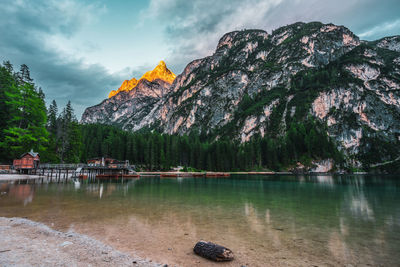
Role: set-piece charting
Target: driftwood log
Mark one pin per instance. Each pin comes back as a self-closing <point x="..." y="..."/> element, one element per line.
<point x="213" y="251"/>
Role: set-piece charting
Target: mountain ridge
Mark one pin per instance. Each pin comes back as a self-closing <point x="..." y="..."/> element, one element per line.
<point x="258" y="84"/>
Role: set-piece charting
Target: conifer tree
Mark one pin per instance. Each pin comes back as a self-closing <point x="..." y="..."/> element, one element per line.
<point x="68" y="136"/>
<point x="52" y="114"/>
<point x="24" y="126"/>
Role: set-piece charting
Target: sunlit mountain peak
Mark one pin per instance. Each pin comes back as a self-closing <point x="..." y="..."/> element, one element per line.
<point x="159" y="72"/>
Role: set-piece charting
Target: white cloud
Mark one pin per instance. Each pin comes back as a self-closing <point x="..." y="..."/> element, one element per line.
<point x="193" y="28"/>
<point x="386" y="28"/>
<point x="36" y="33"/>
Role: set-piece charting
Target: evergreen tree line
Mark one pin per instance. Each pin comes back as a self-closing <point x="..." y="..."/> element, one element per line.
<point x="26" y="124"/>
<point x="154" y="151"/>
<point x="22" y="113"/>
<point x="65" y="138"/>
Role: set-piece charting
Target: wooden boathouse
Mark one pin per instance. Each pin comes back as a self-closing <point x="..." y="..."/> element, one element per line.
<point x="28" y="162"/>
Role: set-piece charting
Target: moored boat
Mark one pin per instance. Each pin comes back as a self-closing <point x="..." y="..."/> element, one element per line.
<point x="130" y="175"/>
<point x="218" y="174"/>
<point x="107" y="176"/>
<point x="202" y="174"/>
<point x="170" y="175"/>
<point x="83" y="176"/>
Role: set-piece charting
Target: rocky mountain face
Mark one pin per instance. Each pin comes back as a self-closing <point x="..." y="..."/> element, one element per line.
<point x="257" y="84"/>
<point x="133" y="101"/>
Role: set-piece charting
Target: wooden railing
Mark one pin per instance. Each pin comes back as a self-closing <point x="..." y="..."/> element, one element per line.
<point x="62" y="166"/>
<point x="83" y="166"/>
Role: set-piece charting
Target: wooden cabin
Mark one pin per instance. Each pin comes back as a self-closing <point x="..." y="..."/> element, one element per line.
<point x="102" y="161"/>
<point x="28" y="161"/>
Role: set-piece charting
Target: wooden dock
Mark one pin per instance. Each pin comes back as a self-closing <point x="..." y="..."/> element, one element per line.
<point x="84" y="171"/>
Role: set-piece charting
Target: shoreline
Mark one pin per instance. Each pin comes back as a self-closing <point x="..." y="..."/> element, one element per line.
<point x="29" y="243"/>
<point x="6" y="177"/>
<point x="16" y="177"/>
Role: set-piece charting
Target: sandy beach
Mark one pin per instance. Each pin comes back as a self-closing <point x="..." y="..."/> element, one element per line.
<point x="27" y="243"/>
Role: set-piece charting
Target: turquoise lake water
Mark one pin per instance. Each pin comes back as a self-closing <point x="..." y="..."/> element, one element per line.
<point x="265" y="220"/>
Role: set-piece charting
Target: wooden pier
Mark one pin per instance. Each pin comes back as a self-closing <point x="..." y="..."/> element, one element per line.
<point x="85" y="171"/>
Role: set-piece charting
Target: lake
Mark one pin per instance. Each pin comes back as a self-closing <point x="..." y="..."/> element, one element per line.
<point x="266" y="220"/>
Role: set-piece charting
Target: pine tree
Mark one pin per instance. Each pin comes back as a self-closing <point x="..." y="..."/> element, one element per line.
<point x="68" y="136"/>
<point x="74" y="143"/>
<point x="6" y="83"/>
<point x="52" y="114"/>
<point x="8" y="66"/>
<point x="24" y="75"/>
<point x="25" y="126"/>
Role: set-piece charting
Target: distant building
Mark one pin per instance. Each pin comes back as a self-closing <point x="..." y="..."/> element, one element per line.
<point x="96" y="162"/>
<point x="119" y="163"/>
<point x="178" y="168"/>
<point x="106" y="162"/>
<point x="5" y="168"/>
<point x="28" y="161"/>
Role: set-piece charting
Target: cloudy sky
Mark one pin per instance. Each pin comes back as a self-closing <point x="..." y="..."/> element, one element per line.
<point x="79" y="50"/>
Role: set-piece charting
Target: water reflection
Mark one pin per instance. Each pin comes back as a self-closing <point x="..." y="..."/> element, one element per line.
<point x="77" y="184"/>
<point x="254" y="222"/>
<point x="356" y="201"/>
<point x="344" y="230"/>
<point x="21" y="192"/>
<point x="267" y="217"/>
<point x="101" y="191"/>
<point x="360" y="207"/>
<point x="327" y="220"/>
<point x="337" y="247"/>
<point x="325" y="180"/>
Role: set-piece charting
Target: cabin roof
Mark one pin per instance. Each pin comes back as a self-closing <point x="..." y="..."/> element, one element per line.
<point x="33" y="154"/>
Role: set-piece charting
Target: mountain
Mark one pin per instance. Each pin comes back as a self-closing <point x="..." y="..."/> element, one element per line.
<point x="259" y="84"/>
<point x="133" y="101"/>
<point x="160" y="72"/>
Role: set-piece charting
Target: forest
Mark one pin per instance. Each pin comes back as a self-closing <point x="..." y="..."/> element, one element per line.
<point x="26" y="123"/>
<point x="156" y="151"/>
